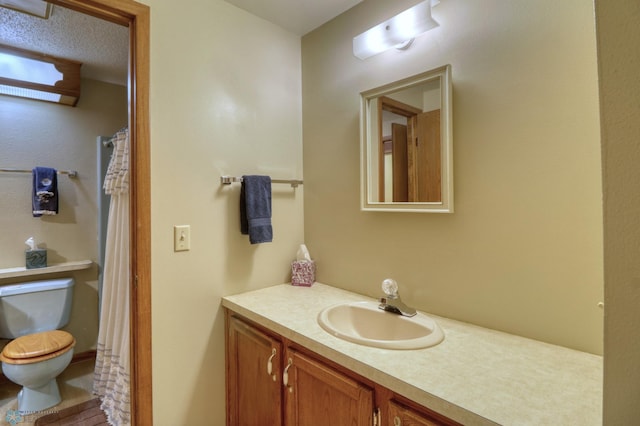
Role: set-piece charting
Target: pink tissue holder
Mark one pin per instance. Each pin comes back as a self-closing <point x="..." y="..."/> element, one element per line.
<point x="303" y="272"/>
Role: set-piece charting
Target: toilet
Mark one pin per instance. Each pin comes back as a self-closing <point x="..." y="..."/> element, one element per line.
<point x="31" y="314"/>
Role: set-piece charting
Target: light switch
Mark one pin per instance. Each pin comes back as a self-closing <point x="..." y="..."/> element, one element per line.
<point x="181" y="237"/>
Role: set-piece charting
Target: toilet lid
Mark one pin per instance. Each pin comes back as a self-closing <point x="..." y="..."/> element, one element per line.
<point x="37" y="345"/>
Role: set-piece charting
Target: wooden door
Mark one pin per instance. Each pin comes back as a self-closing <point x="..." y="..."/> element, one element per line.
<point x="428" y="163"/>
<point x="400" y="165"/>
<point x="316" y="395"/>
<point x="254" y="376"/>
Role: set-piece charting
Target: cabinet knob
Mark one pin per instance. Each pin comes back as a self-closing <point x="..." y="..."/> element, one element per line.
<point x="397" y="421"/>
<point x="270" y="364"/>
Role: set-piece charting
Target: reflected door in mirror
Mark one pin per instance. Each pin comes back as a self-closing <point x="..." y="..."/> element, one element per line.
<point x="399" y="162"/>
<point x="426" y="169"/>
<point x="410" y="154"/>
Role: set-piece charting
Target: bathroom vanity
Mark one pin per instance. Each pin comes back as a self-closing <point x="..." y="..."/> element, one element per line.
<point x="285" y="381"/>
<point x="283" y="368"/>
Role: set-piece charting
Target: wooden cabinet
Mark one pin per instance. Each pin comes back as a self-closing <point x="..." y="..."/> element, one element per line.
<point x="254" y="376"/>
<point x="272" y="381"/>
<point x="319" y="395"/>
<point x="400" y="415"/>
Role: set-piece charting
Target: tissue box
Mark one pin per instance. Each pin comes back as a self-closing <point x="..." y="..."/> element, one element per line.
<point x="36" y="258"/>
<point x="303" y="272"/>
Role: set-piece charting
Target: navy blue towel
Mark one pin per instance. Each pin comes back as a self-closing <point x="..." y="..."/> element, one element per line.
<point x="45" y="191"/>
<point x="255" y="209"/>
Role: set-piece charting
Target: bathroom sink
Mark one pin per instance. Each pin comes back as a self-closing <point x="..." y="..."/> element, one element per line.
<point x="364" y="323"/>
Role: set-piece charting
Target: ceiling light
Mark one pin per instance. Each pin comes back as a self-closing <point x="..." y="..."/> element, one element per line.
<point x="34" y="75"/>
<point x="398" y="31"/>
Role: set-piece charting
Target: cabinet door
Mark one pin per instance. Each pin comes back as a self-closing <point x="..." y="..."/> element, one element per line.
<point x="317" y="395"/>
<point x="400" y="415"/>
<point x="254" y="384"/>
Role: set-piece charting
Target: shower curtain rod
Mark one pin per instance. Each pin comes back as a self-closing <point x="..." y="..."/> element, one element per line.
<point x="71" y="173"/>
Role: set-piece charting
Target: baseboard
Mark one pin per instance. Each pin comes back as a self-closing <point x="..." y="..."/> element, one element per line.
<point x="84" y="356"/>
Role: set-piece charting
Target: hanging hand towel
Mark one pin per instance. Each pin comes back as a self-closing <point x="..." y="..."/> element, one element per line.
<point x="45" y="191"/>
<point x="255" y="209"/>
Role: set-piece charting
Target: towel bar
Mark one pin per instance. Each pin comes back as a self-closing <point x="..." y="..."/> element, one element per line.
<point x="71" y="173"/>
<point x="228" y="180"/>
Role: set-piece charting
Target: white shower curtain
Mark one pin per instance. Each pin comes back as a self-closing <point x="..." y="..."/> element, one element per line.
<point x="111" y="376"/>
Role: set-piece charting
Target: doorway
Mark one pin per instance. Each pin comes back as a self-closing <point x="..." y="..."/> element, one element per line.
<point x="136" y="17"/>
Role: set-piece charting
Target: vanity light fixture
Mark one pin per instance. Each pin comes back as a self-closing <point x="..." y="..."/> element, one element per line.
<point x="398" y="31"/>
<point x="33" y="75"/>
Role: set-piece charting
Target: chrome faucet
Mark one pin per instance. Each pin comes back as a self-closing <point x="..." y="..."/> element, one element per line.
<point x="392" y="301"/>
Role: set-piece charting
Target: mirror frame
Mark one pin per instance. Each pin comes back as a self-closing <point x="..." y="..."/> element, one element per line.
<point x="368" y="101"/>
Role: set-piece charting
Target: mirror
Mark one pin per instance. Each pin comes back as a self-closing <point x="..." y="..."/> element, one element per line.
<point x="406" y="145"/>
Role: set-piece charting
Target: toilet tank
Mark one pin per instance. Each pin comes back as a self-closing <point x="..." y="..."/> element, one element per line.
<point x="34" y="306"/>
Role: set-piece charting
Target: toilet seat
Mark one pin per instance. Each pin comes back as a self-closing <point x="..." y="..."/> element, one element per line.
<point x="37" y="347"/>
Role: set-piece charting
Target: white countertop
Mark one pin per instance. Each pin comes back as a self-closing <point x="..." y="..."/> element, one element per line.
<point x="476" y="376"/>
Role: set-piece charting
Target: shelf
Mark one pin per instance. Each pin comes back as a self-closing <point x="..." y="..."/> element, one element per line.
<point x="59" y="267"/>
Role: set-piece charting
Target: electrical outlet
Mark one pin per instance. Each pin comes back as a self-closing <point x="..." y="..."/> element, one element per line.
<point x="181" y="237"/>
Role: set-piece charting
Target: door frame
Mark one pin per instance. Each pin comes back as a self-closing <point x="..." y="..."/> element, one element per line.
<point x="136" y="17"/>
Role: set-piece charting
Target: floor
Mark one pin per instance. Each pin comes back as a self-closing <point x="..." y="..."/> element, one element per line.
<point x="87" y="413"/>
<point x="75" y="385"/>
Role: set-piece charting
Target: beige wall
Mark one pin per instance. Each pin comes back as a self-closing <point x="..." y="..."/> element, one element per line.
<point x="39" y="133"/>
<point x="225" y="99"/>
<point x="619" y="59"/>
<point x="523" y="251"/>
<point x="187" y="286"/>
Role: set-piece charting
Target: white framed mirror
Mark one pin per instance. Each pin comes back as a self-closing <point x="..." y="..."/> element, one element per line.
<point x="406" y="145"/>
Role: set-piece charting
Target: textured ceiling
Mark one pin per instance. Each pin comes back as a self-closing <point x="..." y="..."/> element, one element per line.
<point x="297" y="16"/>
<point x="101" y="46"/>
